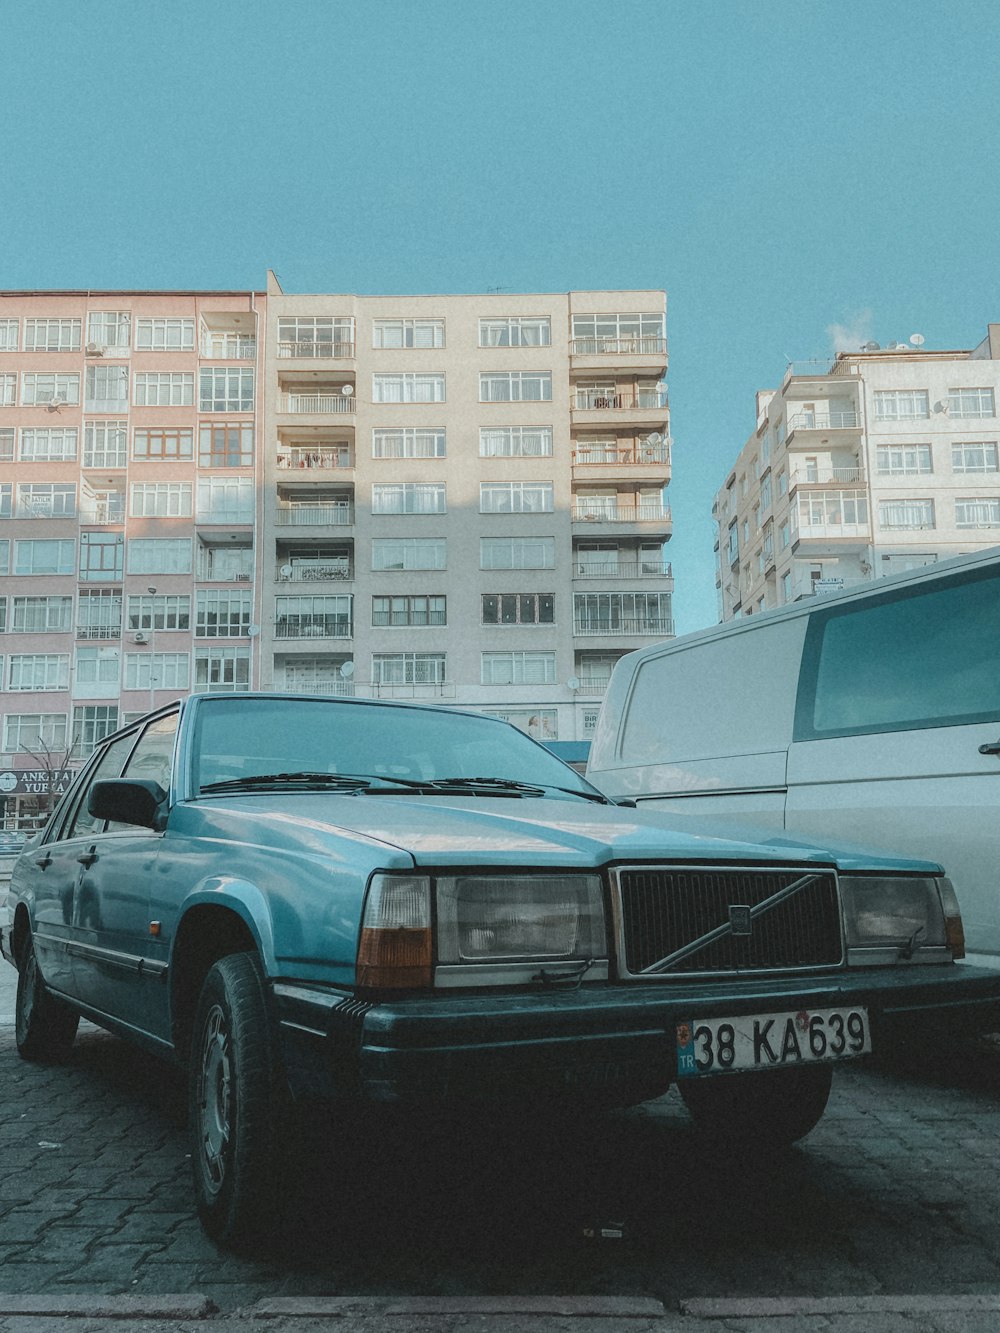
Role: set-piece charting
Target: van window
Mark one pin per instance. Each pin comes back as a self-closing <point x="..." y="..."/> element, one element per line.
<point x="916" y="657"/>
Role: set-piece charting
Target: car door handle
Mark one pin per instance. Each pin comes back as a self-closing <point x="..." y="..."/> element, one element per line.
<point x="87" y="858"/>
<point x="993" y="748"/>
<point x="43" y="862"/>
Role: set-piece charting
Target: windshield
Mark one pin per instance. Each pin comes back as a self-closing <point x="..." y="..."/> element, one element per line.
<point x="243" y="737"/>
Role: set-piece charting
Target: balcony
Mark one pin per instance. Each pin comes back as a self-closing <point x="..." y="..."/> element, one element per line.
<point x="104" y="514"/>
<point x="620" y="400"/>
<point x="314" y="627"/>
<point x="625" y="627"/>
<point x="317" y="404"/>
<point x="636" y="345"/>
<point x="318" y="571"/>
<point x="311" y="350"/>
<point x="638" y="461"/>
<point x="443" y="689"/>
<point x="228" y="347"/>
<point x="101" y="632"/>
<point x="314" y="458"/>
<point x="334" y="685"/>
<point x="599" y="512"/>
<point x="593" y="688"/>
<point x="625" y="569"/>
<point x="825" y="476"/>
<point x="814" y="423"/>
<point x="314" y="513"/>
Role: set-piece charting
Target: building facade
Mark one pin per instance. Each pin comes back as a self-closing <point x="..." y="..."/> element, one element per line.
<point x="883" y="461"/>
<point x="459" y="499"/>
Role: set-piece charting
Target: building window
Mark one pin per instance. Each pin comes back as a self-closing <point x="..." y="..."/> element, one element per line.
<point x="318" y="337"/>
<point x="225" y="500"/>
<point x="7" y="444"/>
<point x="407" y="388"/>
<point x="906" y="514"/>
<point x="161" y="499"/>
<point x="901" y="405"/>
<point x="622" y="613"/>
<point x="105" y="444"/>
<point x="39" y="388"/>
<point x="517" y="552"/>
<point x="159" y="555"/>
<point x="221" y="613"/>
<point x="34" y="733"/>
<point x="5" y="499"/>
<point x="597" y="334"/>
<point x="106" y="389"/>
<point x="162" y="671"/>
<point x="95" y="672"/>
<point x="164" y="335"/>
<point x="518" y="331"/>
<point x="977" y="512"/>
<point x="225" y="389"/>
<point x="8" y="335"/>
<point x="46" y="500"/>
<point x="409" y="553"/>
<point x="784" y="536"/>
<point x="52" y="335"/>
<point x="313" y="617"/>
<point x="733" y="547"/>
<point x="224" y="562"/>
<point x="38" y="671"/>
<point x="109" y="329"/>
<point x="99" y="614"/>
<point x="4" y="556"/>
<point x="515" y="497"/>
<point x="408" y="443"/>
<point x="41" y="615"/>
<point x="782" y="483"/>
<point x="518" y="608"/>
<point x="518" y="668"/>
<point x="765" y="491"/>
<point x="413" y="610"/>
<point x="91" y="723"/>
<point x="219" y="670"/>
<point x="516" y="386"/>
<point x="409" y="498"/>
<point x="515" y="442"/>
<point x="48" y="446"/>
<point x="44" y="557"/>
<point x="164" y="389"/>
<point x="539" y="723"/>
<point x="408" y="333"/>
<point x="408" y="668"/>
<point x="974" y="458"/>
<point x="840" y="509"/>
<point x="225" y="444"/>
<point x="159" y="611"/>
<point x="102" y="556"/>
<point x="162" y="444"/>
<point x="8" y="390"/>
<point x="967" y="404"/>
<point x="903" y="460"/>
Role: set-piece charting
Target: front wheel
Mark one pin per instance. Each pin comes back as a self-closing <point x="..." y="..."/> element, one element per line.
<point x="235" y="1100"/>
<point x="773" y="1108"/>
<point x="44" y="1027"/>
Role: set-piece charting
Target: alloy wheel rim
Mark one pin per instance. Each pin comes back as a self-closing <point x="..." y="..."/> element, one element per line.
<point x="215" y="1098"/>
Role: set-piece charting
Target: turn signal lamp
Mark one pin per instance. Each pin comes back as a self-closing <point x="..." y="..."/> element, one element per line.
<point x="395" y="951"/>
<point x="954" y="931"/>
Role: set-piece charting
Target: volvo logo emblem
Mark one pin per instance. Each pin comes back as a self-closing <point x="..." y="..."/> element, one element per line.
<point x="740" y="921"/>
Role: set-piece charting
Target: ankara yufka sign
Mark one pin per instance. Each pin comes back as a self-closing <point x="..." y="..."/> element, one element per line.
<point x="34" y="781"/>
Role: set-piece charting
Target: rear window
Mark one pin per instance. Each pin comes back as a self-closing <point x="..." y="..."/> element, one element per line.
<point x="923" y="656"/>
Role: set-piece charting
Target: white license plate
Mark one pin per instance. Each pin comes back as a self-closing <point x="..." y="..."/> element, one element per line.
<point x="770" y="1041"/>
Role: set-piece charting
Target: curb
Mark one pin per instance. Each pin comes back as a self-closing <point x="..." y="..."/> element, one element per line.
<point x="772" y="1308"/>
<point x="592" y="1307"/>
<point x="108" y="1307"/>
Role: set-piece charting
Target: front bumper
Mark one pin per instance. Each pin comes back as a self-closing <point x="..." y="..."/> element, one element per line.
<point x="602" y="1043"/>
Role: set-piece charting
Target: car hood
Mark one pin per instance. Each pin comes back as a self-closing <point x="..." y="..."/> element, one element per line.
<point x="451" y="830"/>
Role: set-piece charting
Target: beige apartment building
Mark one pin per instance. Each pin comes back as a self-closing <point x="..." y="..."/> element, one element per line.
<point x="452" y="498"/>
<point x="884" y="460"/>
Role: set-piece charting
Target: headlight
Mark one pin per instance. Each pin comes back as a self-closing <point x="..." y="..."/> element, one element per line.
<point x="515" y="918"/>
<point x="903" y="914"/>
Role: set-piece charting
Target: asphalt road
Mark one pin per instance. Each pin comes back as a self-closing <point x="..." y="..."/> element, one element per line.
<point x="895" y="1191"/>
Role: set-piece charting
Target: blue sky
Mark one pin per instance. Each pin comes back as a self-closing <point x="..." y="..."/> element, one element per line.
<point x="780" y="168"/>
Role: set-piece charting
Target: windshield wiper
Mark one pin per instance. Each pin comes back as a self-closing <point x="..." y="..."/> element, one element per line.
<point x="341" y="781"/>
<point x="373" y="784"/>
<point x="479" y="786"/>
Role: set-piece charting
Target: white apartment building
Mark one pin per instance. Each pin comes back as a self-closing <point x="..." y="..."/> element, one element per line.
<point x="458" y="498"/>
<point x="882" y="461"/>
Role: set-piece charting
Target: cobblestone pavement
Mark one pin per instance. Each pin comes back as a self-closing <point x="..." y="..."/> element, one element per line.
<point x="894" y="1193"/>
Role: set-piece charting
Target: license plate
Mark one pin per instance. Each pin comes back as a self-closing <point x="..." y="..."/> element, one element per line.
<point x="770" y="1041"/>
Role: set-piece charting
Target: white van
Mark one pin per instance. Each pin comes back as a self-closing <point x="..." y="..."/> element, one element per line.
<point x="869" y="717"/>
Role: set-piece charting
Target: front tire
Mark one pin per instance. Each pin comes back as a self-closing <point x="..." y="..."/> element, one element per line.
<point x="236" y="1099"/>
<point x="774" y="1108"/>
<point x="44" y="1027"/>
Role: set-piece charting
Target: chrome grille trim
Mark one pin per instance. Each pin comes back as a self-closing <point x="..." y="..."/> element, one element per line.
<point x="674" y="920"/>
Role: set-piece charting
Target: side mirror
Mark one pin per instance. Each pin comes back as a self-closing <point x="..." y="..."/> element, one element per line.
<point x="127" y="801"/>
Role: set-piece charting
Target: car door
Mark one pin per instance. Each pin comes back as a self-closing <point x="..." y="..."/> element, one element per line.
<point x="120" y="963"/>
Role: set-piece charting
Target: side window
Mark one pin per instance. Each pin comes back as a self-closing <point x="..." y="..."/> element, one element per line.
<point x="80" y="822"/>
<point x="152" y="759"/>
<point x="924" y="656"/>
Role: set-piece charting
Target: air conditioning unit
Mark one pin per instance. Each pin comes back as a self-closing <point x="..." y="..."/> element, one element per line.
<point x="54" y="404"/>
<point x="140" y="637"/>
<point x="242" y="578"/>
<point x="94" y="349"/>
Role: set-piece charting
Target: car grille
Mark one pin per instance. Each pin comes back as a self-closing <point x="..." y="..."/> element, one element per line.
<point x="666" y="913"/>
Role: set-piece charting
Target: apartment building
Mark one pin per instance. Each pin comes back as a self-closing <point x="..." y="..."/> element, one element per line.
<point x="458" y="498"/>
<point x="883" y="460"/>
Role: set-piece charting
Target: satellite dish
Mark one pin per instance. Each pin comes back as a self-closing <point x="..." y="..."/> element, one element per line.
<point x="347" y="390"/>
<point x="917" y="339"/>
<point x="871" y="347"/>
<point x="253" y="631"/>
<point x="655" y="438"/>
<point x="347" y="670"/>
<point x="286" y="571"/>
<point x="574" y="682"/>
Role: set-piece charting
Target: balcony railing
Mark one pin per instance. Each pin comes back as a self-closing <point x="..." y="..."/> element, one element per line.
<point x="633" y="455"/>
<point x="806" y="476"/>
<point x="98" y="631"/>
<point x="321" y="572"/>
<point x="104" y="514"/>
<point x="443" y="689"/>
<point x="312" y="513"/>
<point x="593" y="687"/>
<point x="317" y="458"/>
<point x="621" y="400"/>
<point x="645" y="345"/>
<point x="310" y="349"/>
<point x="317" y="403"/>
<point x="620" y="513"/>
<point x="228" y="347"/>
<point x="624" y="625"/>
<point x="335" y="685"/>
<point x="820" y="421"/>
<point x="804" y="531"/>
<point x="313" y="627"/>
<point x="622" y="569"/>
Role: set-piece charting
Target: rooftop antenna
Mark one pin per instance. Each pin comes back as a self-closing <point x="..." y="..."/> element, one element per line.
<point x="496" y="290"/>
<point x="917" y="339"/>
